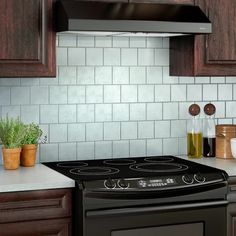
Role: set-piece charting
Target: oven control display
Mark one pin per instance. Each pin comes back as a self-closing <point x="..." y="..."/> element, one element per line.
<point x="151" y="183"/>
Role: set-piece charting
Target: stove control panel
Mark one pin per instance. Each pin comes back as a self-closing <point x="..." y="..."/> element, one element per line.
<point x="152" y="183"/>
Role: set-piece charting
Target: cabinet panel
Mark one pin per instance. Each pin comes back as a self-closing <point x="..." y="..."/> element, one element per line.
<point x="27" y="38"/>
<point x="61" y="227"/>
<point x="211" y="55"/>
<point x="231" y="219"/>
<point x="35" y="205"/>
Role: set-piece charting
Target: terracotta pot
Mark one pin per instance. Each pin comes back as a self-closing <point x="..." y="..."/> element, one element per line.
<point x="28" y="155"/>
<point x="11" y="158"/>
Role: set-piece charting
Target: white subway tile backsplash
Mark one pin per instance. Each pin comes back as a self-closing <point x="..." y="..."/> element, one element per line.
<point x="49" y="114"/>
<point x="154" y="111"/>
<point x="145" y="57"/>
<point x="129" y="57"/>
<point x="120" y="149"/>
<point x="120" y="112"/>
<point x="162" y="129"/>
<point x="103" y="75"/>
<point x="111" y="94"/>
<point x="129" y="93"/>
<point x="67" y="151"/>
<point x="94" y="131"/>
<point x="67" y="75"/>
<point x="58" y="133"/>
<point x="20" y="95"/>
<point x="94" y="94"/>
<point x="129" y="130"/>
<point x="138" y="111"/>
<point x="103" y="112"/>
<point x="5" y="96"/>
<point x="225" y="92"/>
<point x="103" y="150"/>
<point x="162" y="93"/>
<point x="112" y="131"/>
<point x="86" y="113"/>
<point x="137" y="75"/>
<point x="67" y="113"/>
<point x="85" y="41"/>
<point x="58" y="95"/>
<point x="170" y="110"/>
<point x="111" y="56"/>
<point x="137" y="148"/>
<point x="194" y="92"/>
<point x="146" y="93"/>
<point x="154" y="75"/>
<point x="85" y="150"/>
<point x="94" y="56"/>
<point x="85" y="75"/>
<point x="154" y="147"/>
<point x="209" y="92"/>
<point x="145" y="129"/>
<point x="120" y="75"/>
<point x="113" y="97"/>
<point x="76" y="94"/>
<point x="30" y="113"/>
<point x="76" y="56"/>
<point x="178" y="93"/>
<point x="76" y="132"/>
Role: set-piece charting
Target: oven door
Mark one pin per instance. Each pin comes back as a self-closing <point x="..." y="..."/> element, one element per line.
<point x="195" y="219"/>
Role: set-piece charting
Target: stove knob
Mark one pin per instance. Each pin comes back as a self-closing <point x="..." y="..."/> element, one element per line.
<point x="187" y="179"/>
<point x="199" y="178"/>
<point x="123" y="184"/>
<point x="109" y="183"/>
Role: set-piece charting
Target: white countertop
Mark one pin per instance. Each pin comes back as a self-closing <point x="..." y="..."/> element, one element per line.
<point x="32" y="178"/>
<point x="228" y="165"/>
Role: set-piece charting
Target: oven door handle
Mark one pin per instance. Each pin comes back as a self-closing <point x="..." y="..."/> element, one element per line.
<point x="125" y="211"/>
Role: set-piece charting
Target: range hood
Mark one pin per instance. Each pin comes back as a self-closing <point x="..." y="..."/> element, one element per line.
<point x="130" y="19"/>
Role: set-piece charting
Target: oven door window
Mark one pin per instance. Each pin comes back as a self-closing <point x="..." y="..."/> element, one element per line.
<point x="196" y="229"/>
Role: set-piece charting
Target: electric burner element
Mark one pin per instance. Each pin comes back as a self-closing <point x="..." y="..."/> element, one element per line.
<point x="94" y="170"/>
<point x="119" y="162"/>
<point x="158" y="159"/>
<point x="72" y="164"/>
<point x="158" y="167"/>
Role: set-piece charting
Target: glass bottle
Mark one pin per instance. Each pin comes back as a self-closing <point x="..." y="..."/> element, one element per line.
<point x="209" y="135"/>
<point x="194" y="133"/>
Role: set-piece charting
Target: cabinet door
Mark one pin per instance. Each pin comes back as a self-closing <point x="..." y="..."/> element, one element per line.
<point x="27" y="38"/>
<point x="231" y="219"/>
<point x="59" y="227"/>
<point x="211" y="55"/>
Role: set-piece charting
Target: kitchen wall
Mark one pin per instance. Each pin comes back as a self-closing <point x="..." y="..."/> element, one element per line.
<point x="113" y="97"/>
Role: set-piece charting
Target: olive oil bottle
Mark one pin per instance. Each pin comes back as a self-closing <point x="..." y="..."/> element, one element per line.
<point x="194" y="133"/>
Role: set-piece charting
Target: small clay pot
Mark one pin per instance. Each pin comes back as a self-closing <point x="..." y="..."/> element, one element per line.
<point x="11" y="158"/>
<point x="28" y="155"/>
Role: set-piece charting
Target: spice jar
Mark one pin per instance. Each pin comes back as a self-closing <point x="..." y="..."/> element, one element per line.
<point x="223" y="135"/>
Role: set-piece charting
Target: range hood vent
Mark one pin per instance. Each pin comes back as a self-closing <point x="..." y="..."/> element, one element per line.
<point x="130" y="19"/>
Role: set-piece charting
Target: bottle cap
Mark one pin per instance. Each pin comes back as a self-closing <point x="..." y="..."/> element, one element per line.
<point x="209" y="109"/>
<point x="194" y="110"/>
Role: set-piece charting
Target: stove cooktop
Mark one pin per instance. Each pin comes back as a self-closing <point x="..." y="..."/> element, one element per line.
<point x="139" y="167"/>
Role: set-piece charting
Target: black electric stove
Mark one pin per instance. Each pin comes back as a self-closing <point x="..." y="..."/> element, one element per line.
<point x="162" y="195"/>
<point x="142" y="173"/>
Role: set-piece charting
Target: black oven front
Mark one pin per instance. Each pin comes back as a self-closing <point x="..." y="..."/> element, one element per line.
<point x="186" y="213"/>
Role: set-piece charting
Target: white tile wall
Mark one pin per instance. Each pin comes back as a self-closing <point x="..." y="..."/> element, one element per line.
<point x="113" y="97"/>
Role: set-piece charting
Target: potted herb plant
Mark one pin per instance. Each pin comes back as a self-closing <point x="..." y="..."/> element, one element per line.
<point x="30" y="144"/>
<point x="11" y="136"/>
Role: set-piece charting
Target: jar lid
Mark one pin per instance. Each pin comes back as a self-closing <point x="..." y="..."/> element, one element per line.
<point x="194" y="109"/>
<point x="225" y="128"/>
<point x="209" y="109"/>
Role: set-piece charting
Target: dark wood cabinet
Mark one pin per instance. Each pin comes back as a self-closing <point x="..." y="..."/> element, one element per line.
<point x="27" y="38"/>
<point x="211" y="55"/>
<point x="45" y="212"/>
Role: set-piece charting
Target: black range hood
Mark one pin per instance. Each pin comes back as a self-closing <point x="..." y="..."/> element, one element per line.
<point x="130" y="19"/>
